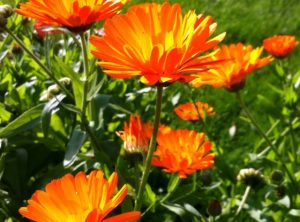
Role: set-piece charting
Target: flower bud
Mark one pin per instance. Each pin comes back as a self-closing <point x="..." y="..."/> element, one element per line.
<point x="206" y="179"/>
<point x="65" y="81"/>
<point x="280" y="191"/>
<point x="251" y="177"/>
<point x="6" y="11"/>
<point x="214" y="208"/>
<point x="277" y="177"/>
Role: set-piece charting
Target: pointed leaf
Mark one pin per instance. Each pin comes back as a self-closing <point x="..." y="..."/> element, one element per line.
<point x="77" y="140"/>
<point x="25" y="121"/>
<point x="47" y="112"/>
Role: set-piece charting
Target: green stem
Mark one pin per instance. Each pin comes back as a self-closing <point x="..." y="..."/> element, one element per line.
<point x="245" y="196"/>
<point x="200" y="118"/>
<point x="260" y="131"/>
<point x="85" y="75"/>
<point x="152" y="146"/>
<point x="294" y="144"/>
<point x="84" y="119"/>
<point x="38" y="61"/>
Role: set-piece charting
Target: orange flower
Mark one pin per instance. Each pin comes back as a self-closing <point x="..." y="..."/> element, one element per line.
<point x="241" y="61"/>
<point x="280" y="45"/>
<point x="191" y="111"/>
<point x="136" y="135"/>
<point x="155" y="41"/>
<point x="182" y="151"/>
<point x="76" y="15"/>
<point x="78" y="199"/>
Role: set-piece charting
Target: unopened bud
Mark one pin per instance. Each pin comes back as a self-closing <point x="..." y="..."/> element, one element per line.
<point x="206" y="179"/>
<point x="280" y="191"/>
<point x="6" y="11"/>
<point x="277" y="177"/>
<point x="65" y="81"/>
<point x="251" y="177"/>
<point x="214" y="208"/>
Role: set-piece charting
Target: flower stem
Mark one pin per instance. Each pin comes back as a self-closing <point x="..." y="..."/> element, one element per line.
<point x="272" y="147"/>
<point x="38" y="61"/>
<point x="84" y="120"/>
<point x="85" y="75"/>
<point x="245" y="196"/>
<point x="152" y="146"/>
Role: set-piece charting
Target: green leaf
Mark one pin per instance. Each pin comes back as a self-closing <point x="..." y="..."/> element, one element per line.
<point x="150" y="196"/>
<point x="119" y="108"/>
<point x="4" y="114"/>
<point x="25" y="121"/>
<point x="47" y="112"/>
<point x="173" y="183"/>
<point x="290" y="96"/>
<point x="295" y="212"/>
<point x="71" y="108"/>
<point x="99" y="104"/>
<point x="77" y="140"/>
<point x="279" y="70"/>
<point x="175" y="208"/>
<point x="2" y="164"/>
<point x="77" y="84"/>
<point x="95" y="89"/>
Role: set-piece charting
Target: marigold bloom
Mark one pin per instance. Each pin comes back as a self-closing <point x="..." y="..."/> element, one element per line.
<point x="136" y="135"/>
<point x="157" y="42"/>
<point x="280" y="45"/>
<point x="191" y="111"/>
<point x="78" y="199"/>
<point x="241" y="61"/>
<point x="76" y="15"/>
<point x="182" y="151"/>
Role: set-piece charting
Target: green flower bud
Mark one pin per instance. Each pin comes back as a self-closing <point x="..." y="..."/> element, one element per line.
<point x="277" y="177"/>
<point x="251" y="177"/>
<point x="6" y="11"/>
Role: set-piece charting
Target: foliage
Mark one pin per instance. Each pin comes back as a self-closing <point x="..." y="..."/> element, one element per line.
<point x="43" y="140"/>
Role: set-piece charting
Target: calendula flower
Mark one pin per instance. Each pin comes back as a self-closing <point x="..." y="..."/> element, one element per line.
<point x="280" y="45"/>
<point x="182" y="151"/>
<point x="194" y="111"/>
<point x="136" y="135"/>
<point x="76" y="15"/>
<point x="78" y="198"/>
<point x="241" y="61"/>
<point x="155" y="41"/>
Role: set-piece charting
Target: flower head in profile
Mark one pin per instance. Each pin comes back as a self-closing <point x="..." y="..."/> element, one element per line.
<point x="182" y="151"/>
<point x="76" y="15"/>
<point x="194" y="111"/>
<point x="280" y="45"/>
<point x="155" y="41"/>
<point x="136" y="135"/>
<point x="241" y="61"/>
<point x="78" y="198"/>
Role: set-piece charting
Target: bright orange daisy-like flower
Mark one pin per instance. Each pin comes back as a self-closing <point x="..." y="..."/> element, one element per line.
<point x="136" y="135"/>
<point x="157" y="42"/>
<point x="78" y="199"/>
<point x="182" y="151"/>
<point x="241" y="61"/>
<point x="280" y="45"/>
<point x="194" y="111"/>
<point x="76" y="15"/>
